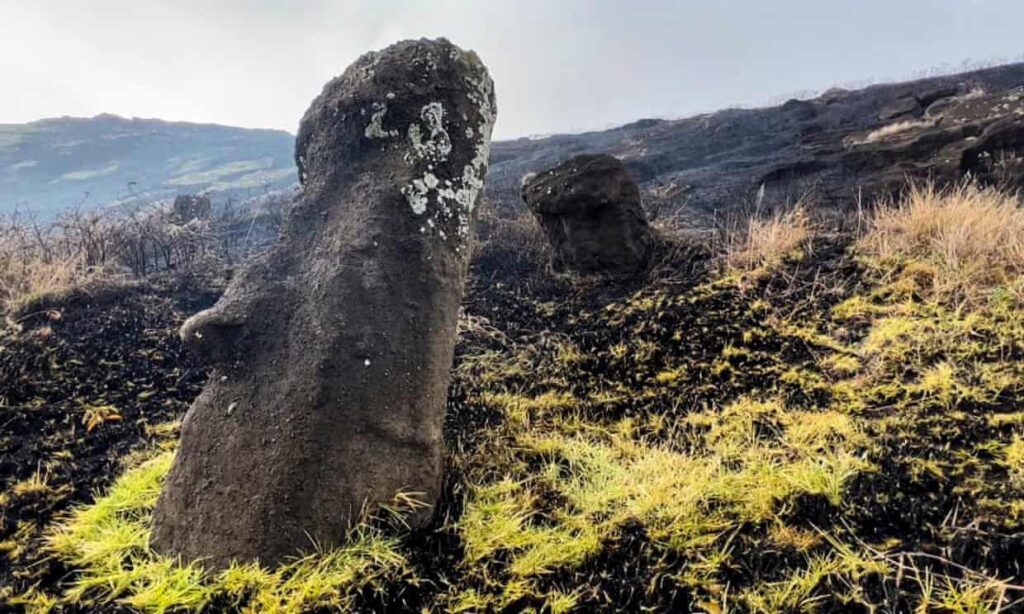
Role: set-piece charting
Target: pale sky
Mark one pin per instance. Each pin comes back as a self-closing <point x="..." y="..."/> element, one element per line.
<point x="558" y="65"/>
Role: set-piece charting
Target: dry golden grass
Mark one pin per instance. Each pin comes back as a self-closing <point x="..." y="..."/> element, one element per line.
<point x="767" y="243"/>
<point x="894" y="129"/>
<point x="42" y="260"/>
<point x="969" y="239"/>
<point x="26" y="276"/>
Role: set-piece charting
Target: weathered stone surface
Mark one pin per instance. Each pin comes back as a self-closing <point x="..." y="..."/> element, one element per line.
<point x="332" y="351"/>
<point x="589" y="208"/>
<point x="997" y="156"/>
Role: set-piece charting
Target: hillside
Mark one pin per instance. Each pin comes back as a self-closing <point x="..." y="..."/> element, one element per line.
<point x="836" y="148"/>
<point x="833" y="149"/>
<point x="54" y="164"/>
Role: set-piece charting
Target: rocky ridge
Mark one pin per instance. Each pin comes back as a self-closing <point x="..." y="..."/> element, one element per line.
<point x="837" y="149"/>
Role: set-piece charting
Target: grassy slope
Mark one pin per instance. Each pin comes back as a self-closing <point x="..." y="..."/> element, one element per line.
<point x="829" y="423"/>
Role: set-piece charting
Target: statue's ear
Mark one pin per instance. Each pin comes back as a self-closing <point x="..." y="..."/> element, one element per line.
<point x="214" y="333"/>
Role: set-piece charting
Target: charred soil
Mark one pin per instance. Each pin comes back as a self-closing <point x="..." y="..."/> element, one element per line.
<point x="689" y="439"/>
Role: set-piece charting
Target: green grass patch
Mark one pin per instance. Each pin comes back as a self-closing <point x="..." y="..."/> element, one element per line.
<point x="108" y="543"/>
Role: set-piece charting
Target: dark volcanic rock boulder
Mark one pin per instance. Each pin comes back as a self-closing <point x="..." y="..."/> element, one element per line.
<point x="589" y="208"/>
<point x="187" y="207"/>
<point x="332" y="350"/>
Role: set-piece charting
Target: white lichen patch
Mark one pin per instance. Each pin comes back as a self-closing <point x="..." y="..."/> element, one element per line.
<point x="456" y="196"/>
<point x="438" y="145"/>
<point x="416" y="193"/>
<point x="474" y="172"/>
<point x="375" y="129"/>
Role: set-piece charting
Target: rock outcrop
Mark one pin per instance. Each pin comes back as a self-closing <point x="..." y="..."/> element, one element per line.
<point x="332" y="350"/>
<point x="589" y="209"/>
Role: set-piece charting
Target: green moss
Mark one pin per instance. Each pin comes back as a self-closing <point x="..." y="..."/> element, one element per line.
<point x="805" y="380"/>
<point x="670" y="377"/>
<point x="841" y="364"/>
<point x="831" y="574"/>
<point x="1013" y="458"/>
<point x="685" y="501"/>
<point x="523" y="410"/>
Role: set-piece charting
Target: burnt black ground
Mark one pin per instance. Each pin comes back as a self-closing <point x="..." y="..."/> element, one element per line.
<point x="121" y="348"/>
<point x="110" y="346"/>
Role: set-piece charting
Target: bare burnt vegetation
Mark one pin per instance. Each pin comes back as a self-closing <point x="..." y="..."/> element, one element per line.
<point x="81" y="247"/>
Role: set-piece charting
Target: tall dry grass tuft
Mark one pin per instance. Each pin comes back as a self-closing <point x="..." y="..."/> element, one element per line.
<point x="970" y="238"/>
<point x="32" y="265"/>
<point x="893" y="129"/>
<point x="766" y="243"/>
<point x="25" y="276"/>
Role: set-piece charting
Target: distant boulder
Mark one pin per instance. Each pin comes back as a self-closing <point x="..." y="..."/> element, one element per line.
<point x="187" y="208"/>
<point x="802" y="110"/>
<point x="915" y="104"/>
<point x="908" y="106"/>
<point x="589" y="209"/>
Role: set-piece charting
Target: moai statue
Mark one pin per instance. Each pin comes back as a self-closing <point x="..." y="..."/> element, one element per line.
<point x="331" y="352"/>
